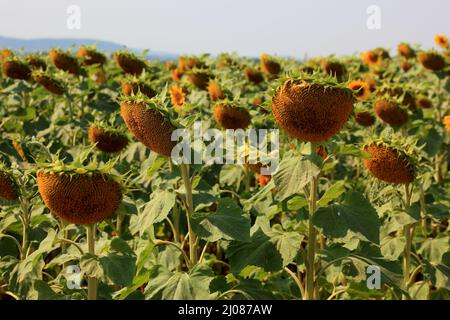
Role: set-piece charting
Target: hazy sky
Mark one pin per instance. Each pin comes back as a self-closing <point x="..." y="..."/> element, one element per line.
<point x="285" y="27"/>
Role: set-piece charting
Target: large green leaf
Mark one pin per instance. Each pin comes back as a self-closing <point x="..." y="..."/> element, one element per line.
<point x="156" y="210"/>
<point x="120" y="264"/>
<point x="293" y="174"/>
<point x="354" y="217"/>
<point x="229" y="222"/>
<point x="168" y="285"/>
<point x="331" y="194"/>
<point x="287" y="243"/>
<point x="260" y="251"/>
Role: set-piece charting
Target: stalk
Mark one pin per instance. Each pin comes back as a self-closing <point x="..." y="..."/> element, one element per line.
<point x="175" y="214"/>
<point x="25" y="227"/>
<point x="190" y="209"/>
<point x="423" y="210"/>
<point x="408" y="232"/>
<point x="92" y="281"/>
<point x="311" y="249"/>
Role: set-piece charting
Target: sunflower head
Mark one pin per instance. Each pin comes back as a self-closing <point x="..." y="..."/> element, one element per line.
<point x="8" y="187"/>
<point x="311" y="107"/>
<point x="361" y="89"/>
<point x="406" y="51"/>
<point x="432" y="60"/>
<point x="214" y="91"/>
<point x="177" y="96"/>
<point x="441" y="40"/>
<point x="107" y="138"/>
<point x="447" y="122"/>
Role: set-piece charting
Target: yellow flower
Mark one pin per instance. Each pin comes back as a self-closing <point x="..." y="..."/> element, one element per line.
<point x="447" y="122"/>
<point x="177" y="96"/>
<point x="441" y="41"/>
<point x="361" y="88"/>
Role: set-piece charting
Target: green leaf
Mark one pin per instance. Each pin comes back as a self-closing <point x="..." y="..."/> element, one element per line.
<point x="120" y="264"/>
<point x="156" y="210"/>
<point x="287" y="243"/>
<point x="229" y="222"/>
<point x="392" y="247"/>
<point x="168" y="285"/>
<point x="260" y="252"/>
<point x="355" y="217"/>
<point x="90" y="265"/>
<point x="293" y="174"/>
<point x="331" y="194"/>
<point x="230" y="175"/>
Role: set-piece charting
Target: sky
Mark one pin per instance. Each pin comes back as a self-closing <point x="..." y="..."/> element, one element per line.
<point x="294" y="28"/>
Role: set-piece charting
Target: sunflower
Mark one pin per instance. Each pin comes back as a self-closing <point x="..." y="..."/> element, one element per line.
<point x="361" y="89"/>
<point x="447" y="122"/>
<point x="441" y="41"/>
<point x="371" y="59"/>
<point x="177" y="74"/>
<point x="311" y="111"/>
<point x="177" y="96"/>
<point x="388" y="164"/>
<point x="214" y="91"/>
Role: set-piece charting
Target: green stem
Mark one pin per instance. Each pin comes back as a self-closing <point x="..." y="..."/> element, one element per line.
<point x="311" y="249"/>
<point x="408" y="232"/>
<point x="92" y="281"/>
<point x="423" y="210"/>
<point x="193" y="257"/>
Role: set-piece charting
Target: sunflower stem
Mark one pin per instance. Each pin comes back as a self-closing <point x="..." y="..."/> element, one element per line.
<point x="408" y="232"/>
<point x="92" y="281"/>
<point x="311" y="249"/>
<point x="190" y="209"/>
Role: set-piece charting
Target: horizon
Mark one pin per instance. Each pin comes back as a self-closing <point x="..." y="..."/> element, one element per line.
<point x="299" y="29"/>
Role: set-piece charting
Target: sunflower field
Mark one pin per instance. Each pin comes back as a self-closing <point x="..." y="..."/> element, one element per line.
<point x="93" y="205"/>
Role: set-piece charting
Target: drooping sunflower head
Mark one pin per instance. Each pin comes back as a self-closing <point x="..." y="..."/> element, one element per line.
<point x="230" y="116"/>
<point x="80" y="194"/>
<point x="432" y="60"/>
<point x="149" y="122"/>
<point x="129" y="62"/>
<point x="200" y="78"/>
<point x="406" y="51"/>
<point x="269" y="65"/>
<point x="214" y="91"/>
<point x="8" y="187"/>
<point x="51" y="84"/>
<point x="388" y="164"/>
<point x="64" y="60"/>
<point x="36" y="62"/>
<point x="17" y="69"/>
<point x="106" y="138"/>
<point x="89" y="56"/>
<point x="311" y="107"/>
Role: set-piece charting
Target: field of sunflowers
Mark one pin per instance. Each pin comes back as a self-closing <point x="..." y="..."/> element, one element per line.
<point x="94" y="207"/>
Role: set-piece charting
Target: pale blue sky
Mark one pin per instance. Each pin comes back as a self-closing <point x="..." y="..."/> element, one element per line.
<point x="284" y="27"/>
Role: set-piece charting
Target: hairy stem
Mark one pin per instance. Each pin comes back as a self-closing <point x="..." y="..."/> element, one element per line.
<point x="92" y="281"/>
<point x="193" y="257"/>
<point x="311" y="249"/>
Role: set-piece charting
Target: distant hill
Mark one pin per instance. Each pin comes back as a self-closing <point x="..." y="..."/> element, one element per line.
<point x="45" y="44"/>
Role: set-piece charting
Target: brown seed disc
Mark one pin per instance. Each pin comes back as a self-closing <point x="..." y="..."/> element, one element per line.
<point x="80" y="198"/>
<point x="16" y="70"/>
<point x="106" y="141"/>
<point x="388" y="164"/>
<point x="64" y="61"/>
<point x="390" y="112"/>
<point x="7" y="188"/>
<point x="49" y="83"/>
<point x="432" y="61"/>
<point x="199" y="79"/>
<point x="364" y="118"/>
<point x="230" y="117"/>
<point x="253" y="76"/>
<point x="149" y="127"/>
<point x="90" y="56"/>
<point x="129" y="64"/>
<point x="311" y="112"/>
